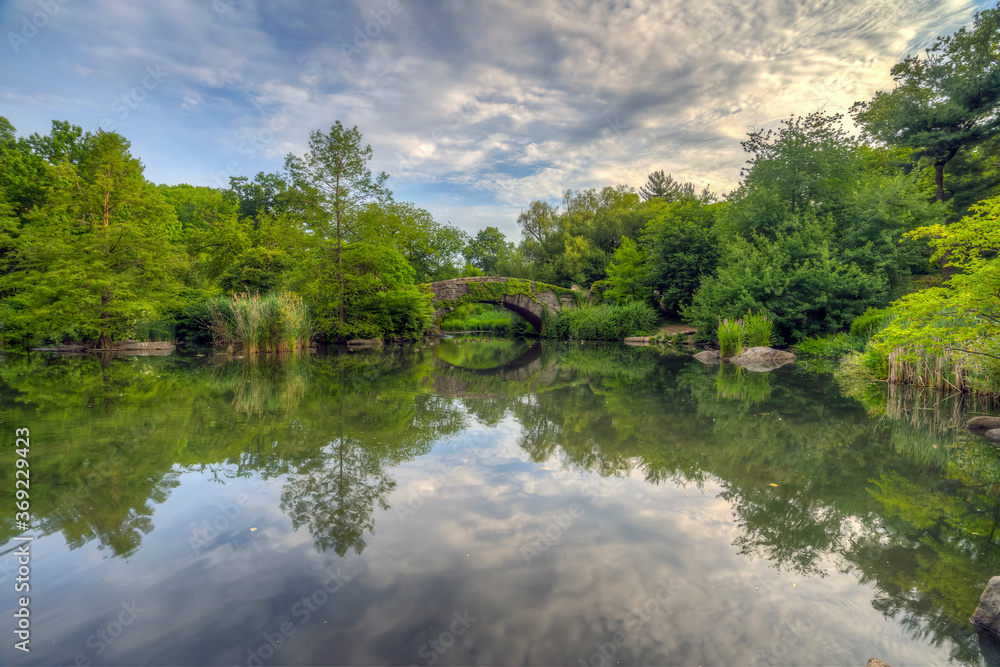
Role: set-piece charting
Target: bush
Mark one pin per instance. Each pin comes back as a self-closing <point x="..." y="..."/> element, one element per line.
<point x="602" y="322"/>
<point x="836" y="345"/>
<point x="870" y="322"/>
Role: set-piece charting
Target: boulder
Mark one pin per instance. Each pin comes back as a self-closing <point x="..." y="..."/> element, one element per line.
<point x="365" y="342"/>
<point x="708" y="357"/>
<point x="993" y="435"/>
<point x="637" y="340"/>
<point x="875" y="662"/>
<point x="980" y="425"/>
<point x="987" y="615"/>
<point x="762" y="359"/>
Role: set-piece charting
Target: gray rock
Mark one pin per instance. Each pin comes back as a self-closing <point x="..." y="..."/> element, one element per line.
<point x="708" y="357"/>
<point x="980" y="425"/>
<point x="987" y="615"/>
<point x="993" y="435"/>
<point x="365" y="342"/>
<point x="762" y="359"/>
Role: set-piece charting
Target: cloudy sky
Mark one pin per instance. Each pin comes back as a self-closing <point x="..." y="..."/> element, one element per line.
<point x="474" y="107"/>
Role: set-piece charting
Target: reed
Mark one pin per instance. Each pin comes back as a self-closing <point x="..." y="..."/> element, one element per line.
<point x="251" y="323"/>
<point x="730" y="338"/>
<point x="758" y="329"/>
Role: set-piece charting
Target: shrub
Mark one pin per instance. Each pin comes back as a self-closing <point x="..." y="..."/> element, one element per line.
<point x="603" y="322"/>
<point x="870" y="322"/>
<point x="836" y="345"/>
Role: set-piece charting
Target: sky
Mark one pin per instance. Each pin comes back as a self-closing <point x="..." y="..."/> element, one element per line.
<point x="474" y="107"/>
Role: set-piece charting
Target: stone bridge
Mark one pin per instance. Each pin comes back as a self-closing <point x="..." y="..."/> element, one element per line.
<point x="527" y="298"/>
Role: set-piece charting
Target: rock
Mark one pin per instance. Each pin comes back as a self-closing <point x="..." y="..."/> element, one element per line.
<point x="875" y="662"/>
<point x="709" y="357"/>
<point x="365" y="342"/>
<point x="637" y="340"/>
<point x="980" y="425"/>
<point x="993" y="435"/>
<point x="987" y="615"/>
<point x="762" y="359"/>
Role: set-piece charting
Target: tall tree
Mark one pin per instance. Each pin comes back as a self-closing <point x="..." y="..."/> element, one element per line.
<point x="97" y="254"/>
<point x="627" y="273"/>
<point x="486" y="249"/>
<point x="663" y="186"/>
<point x="335" y="171"/>
<point x="944" y="102"/>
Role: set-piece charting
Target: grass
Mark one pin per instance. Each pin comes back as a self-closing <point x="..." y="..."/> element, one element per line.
<point x="758" y="329"/>
<point x="730" y="338"/>
<point x="835" y="345"/>
<point x="253" y="323"/>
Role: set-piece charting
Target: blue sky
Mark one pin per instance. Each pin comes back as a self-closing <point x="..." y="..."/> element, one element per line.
<point x="475" y="108"/>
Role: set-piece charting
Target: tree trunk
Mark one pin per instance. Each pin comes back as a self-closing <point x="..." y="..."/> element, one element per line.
<point x="104" y="341"/>
<point x="939" y="182"/>
<point x="340" y="257"/>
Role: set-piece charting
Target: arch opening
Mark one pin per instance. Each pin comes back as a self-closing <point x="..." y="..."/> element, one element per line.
<point x="532" y="319"/>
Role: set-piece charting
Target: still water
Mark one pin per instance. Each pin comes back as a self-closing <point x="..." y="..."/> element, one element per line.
<point x="489" y="503"/>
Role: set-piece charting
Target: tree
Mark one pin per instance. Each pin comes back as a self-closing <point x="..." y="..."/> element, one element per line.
<point x="794" y="277"/>
<point x="660" y="186"/>
<point x="682" y="249"/>
<point x="97" y="255"/>
<point x="627" y="274"/>
<point x="335" y="171"/>
<point x="945" y="102"/>
<point x="432" y="249"/>
<point x="486" y="249"/>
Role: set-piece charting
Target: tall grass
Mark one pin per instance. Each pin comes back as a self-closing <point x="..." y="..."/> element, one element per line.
<point x="758" y="329"/>
<point x="253" y="323"/>
<point x="730" y="338"/>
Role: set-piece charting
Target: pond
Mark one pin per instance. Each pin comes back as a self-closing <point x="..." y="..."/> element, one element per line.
<point x="489" y="502"/>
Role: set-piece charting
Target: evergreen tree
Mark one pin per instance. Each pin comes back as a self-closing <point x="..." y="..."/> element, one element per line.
<point x="945" y="102"/>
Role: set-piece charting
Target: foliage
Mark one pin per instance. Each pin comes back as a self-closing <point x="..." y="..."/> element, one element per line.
<point x="251" y="323"/>
<point x="794" y="277"/>
<point x="835" y="345"/>
<point x="758" y="329"/>
<point x="960" y="320"/>
<point x="481" y="317"/>
<point x="335" y="174"/>
<point x="432" y="249"/>
<point x="627" y="275"/>
<point x="601" y="322"/>
<point x="487" y="249"/>
<point x="681" y="249"/>
<point x="945" y="102"/>
<point x="96" y="256"/>
<point x="665" y="188"/>
<point x="380" y="296"/>
<point x="731" y="335"/>
<point x="870" y="322"/>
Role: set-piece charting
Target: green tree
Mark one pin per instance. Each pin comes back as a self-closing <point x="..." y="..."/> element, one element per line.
<point x="431" y="248"/>
<point x="945" y="102"/>
<point x="97" y="255"/>
<point x="664" y="187"/>
<point x="682" y="249"/>
<point x="486" y="249"/>
<point x="335" y="172"/>
<point x="627" y="274"/>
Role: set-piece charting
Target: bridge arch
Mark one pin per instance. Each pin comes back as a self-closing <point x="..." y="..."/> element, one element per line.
<point x="527" y="298"/>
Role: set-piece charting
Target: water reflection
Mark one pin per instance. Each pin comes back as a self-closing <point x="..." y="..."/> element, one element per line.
<point x="820" y="479"/>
